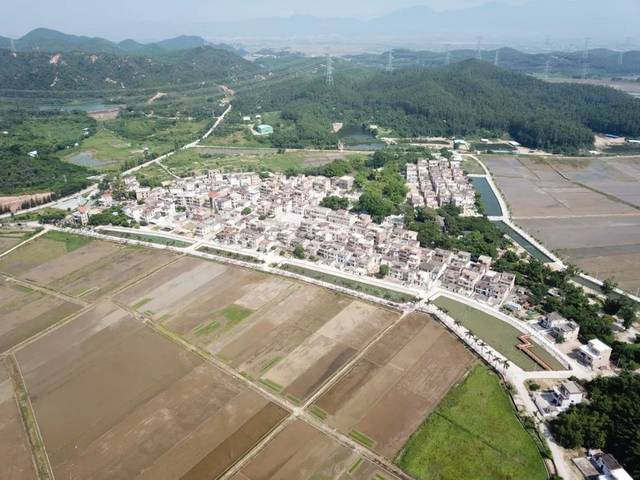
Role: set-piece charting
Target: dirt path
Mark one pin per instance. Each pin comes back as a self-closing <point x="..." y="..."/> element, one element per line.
<point x="29" y="422"/>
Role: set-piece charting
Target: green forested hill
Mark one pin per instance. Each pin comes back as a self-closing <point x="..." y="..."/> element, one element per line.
<point x="102" y="71"/>
<point x="465" y="98"/>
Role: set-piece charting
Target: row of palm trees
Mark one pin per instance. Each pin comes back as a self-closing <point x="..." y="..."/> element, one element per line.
<point x="486" y="351"/>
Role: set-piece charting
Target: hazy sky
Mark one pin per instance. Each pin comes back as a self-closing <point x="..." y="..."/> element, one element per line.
<point x="104" y="18"/>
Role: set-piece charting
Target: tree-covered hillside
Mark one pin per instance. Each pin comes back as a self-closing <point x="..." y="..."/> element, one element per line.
<point x="101" y="71"/>
<point x="466" y="98"/>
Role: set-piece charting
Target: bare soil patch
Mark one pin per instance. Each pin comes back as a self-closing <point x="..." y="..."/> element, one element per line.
<point x="398" y="382"/>
<point x="302" y="452"/>
<point x="115" y="400"/>
<point x="24" y="312"/>
<point x="15" y="453"/>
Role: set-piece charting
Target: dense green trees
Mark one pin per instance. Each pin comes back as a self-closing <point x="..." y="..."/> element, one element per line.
<point x="462" y="99"/>
<point x="445" y="228"/>
<point x="609" y="421"/>
<point x="335" y="203"/>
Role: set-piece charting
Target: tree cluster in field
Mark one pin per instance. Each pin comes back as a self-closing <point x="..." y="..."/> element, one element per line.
<point x="463" y="99"/>
<point x="594" y="317"/>
<point x="609" y="420"/>
<point x="445" y="228"/>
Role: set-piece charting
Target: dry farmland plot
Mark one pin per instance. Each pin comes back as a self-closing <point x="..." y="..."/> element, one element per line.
<point x="602" y="246"/>
<point x="585" y="209"/>
<point x="15" y="453"/>
<point x="302" y="452"/>
<point x="89" y="269"/>
<point x="11" y="238"/>
<point x="388" y="393"/>
<point x="113" y="399"/>
<point x="25" y="312"/>
<point x="288" y="335"/>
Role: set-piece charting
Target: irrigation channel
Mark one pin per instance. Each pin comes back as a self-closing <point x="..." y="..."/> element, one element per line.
<point x="493" y="209"/>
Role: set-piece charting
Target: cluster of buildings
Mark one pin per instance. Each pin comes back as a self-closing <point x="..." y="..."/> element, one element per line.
<point x="434" y="183"/>
<point x="271" y="212"/>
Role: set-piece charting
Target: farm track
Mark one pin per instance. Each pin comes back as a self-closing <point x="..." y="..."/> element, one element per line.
<point x="48" y="291"/>
<point x="296" y="412"/>
<point x="30" y="424"/>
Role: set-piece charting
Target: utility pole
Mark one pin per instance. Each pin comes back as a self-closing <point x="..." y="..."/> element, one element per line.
<point x="390" y="61"/>
<point x="329" y="74"/>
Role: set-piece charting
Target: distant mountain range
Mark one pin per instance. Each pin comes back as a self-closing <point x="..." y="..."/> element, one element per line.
<point x="96" y="71"/>
<point x="536" y="19"/>
<point x="599" y="62"/>
<point x="46" y="40"/>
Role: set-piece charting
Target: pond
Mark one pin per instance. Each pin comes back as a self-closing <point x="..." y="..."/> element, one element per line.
<point x="85" y="159"/>
<point x="488" y="198"/>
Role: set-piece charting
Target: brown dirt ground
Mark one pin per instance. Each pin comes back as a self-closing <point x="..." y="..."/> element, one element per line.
<point x="389" y="392"/>
<point x="302" y="452"/>
<point x="25" y="313"/>
<point x="15" y="453"/>
<point x="115" y="400"/>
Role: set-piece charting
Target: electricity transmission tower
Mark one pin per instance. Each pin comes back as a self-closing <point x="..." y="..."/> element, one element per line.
<point x="585" y="58"/>
<point x="479" y="49"/>
<point x="329" y="73"/>
<point x="390" y="61"/>
<point x="496" y="59"/>
<point x="447" y="55"/>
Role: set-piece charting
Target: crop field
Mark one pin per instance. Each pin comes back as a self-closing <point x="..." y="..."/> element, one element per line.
<point x="9" y="238"/>
<point x="285" y="335"/>
<point x="397" y="383"/>
<point x="459" y="442"/>
<point x="15" y="454"/>
<point x="135" y="378"/>
<point x="496" y="333"/>
<point x="79" y="266"/>
<point x="24" y="312"/>
<point x="198" y="160"/>
<point x="587" y="210"/>
<point x="104" y="384"/>
<point x="301" y="451"/>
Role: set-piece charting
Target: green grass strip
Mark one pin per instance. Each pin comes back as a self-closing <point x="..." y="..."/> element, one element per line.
<point x="141" y="303"/>
<point x="295" y="400"/>
<point x="362" y="439"/>
<point x="316" y="411"/>
<point x="271" y="384"/>
<point x="207" y="328"/>
<point x="365" y="288"/>
<point x="356" y="465"/>
<point x="270" y="364"/>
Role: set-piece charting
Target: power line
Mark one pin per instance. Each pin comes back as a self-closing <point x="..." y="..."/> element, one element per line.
<point x="390" y="61"/>
<point x="585" y="58"/>
<point x="329" y="74"/>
